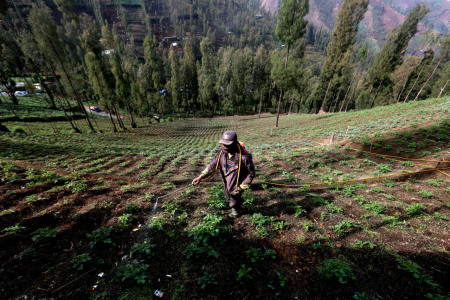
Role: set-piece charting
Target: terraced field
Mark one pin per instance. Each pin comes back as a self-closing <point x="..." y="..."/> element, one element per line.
<point x="365" y="216"/>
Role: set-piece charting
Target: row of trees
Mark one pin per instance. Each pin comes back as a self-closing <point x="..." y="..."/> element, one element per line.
<point x="205" y="78"/>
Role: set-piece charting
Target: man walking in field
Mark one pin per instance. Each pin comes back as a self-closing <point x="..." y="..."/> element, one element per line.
<point x="236" y="167"/>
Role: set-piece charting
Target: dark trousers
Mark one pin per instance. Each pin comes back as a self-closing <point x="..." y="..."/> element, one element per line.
<point x="234" y="201"/>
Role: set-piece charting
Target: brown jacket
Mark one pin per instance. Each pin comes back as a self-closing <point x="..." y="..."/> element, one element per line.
<point x="230" y="178"/>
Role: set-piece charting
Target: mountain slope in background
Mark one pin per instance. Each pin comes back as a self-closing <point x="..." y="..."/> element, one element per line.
<point x="380" y="18"/>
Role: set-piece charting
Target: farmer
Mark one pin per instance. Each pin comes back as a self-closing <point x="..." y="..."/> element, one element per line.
<point x="236" y="167"/>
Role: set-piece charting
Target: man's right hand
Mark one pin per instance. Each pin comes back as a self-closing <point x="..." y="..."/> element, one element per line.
<point x="197" y="180"/>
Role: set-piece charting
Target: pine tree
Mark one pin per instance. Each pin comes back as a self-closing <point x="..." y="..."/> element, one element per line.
<point x="101" y="77"/>
<point x="290" y="27"/>
<point x="207" y="77"/>
<point x="336" y="70"/>
<point x="261" y="73"/>
<point x="190" y="77"/>
<point x="175" y="80"/>
<point x="390" y="56"/>
<point x="45" y="32"/>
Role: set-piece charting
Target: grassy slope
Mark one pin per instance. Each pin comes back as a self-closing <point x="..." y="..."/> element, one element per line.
<point x="392" y="229"/>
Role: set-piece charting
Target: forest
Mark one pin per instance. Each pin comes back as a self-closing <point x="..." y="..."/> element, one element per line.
<point x="221" y="58"/>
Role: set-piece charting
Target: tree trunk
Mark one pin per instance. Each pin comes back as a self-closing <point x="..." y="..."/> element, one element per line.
<point x="322" y="108"/>
<point x="260" y="104"/>
<point x="406" y="98"/>
<point x="442" y="89"/>
<point x="133" y="124"/>
<point x="116" y="112"/>
<point x="375" y="96"/>
<point x="13" y="98"/>
<point x="404" y="86"/>
<point x="351" y="99"/>
<point x="80" y="104"/>
<point x="292" y="103"/>
<point x="337" y="100"/>
<point x="421" y="89"/>
<point x="111" y="118"/>
<point x="281" y="93"/>
<point x="346" y="93"/>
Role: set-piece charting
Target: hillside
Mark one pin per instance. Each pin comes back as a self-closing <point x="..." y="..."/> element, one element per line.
<point x="380" y="18"/>
<point x="322" y="220"/>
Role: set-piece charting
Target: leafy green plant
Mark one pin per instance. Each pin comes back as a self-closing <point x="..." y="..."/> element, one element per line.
<point x="256" y="254"/>
<point x="425" y="194"/>
<point x="209" y="227"/>
<point x="349" y="190"/>
<point x="100" y="235"/>
<point x="124" y="220"/>
<point x="384" y="168"/>
<point x="44" y="232"/>
<point x="362" y="244"/>
<point x="168" y="186"/>
<point x="337" y="268"/>
<point x="415" y="209"/>
<point x="144" y="248"/>
<point x="415" y="270"/>
<point x="32" y="199"/>
<point x="436" y="297"/>
<point x="200" y="249"/>
<point x="7" y="211"/>
<point x="80" y="260"/>
<point x="132" y="208"/>
<point x="106" y="205"/>
<point x="135" y="271"/>
<point x="390" y="197"/>
<point x="332" y="208"/>
<point x="388" y="183"/>
<point x="244" y="273"/>
<point x="407" y="186"/>
<point x="435" y="182"/>
<point x="342" y="226"/>
<point x="360" y="199"/>
<point x="206" y="280"/>
<point x="77" y="186"/>
<point x="216" y="197"/>
<point x="13" y="229"/>
<point x="407" y="163"/>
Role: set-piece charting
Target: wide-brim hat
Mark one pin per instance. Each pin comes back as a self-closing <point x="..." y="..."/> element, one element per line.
<point x="228" y="138"/>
